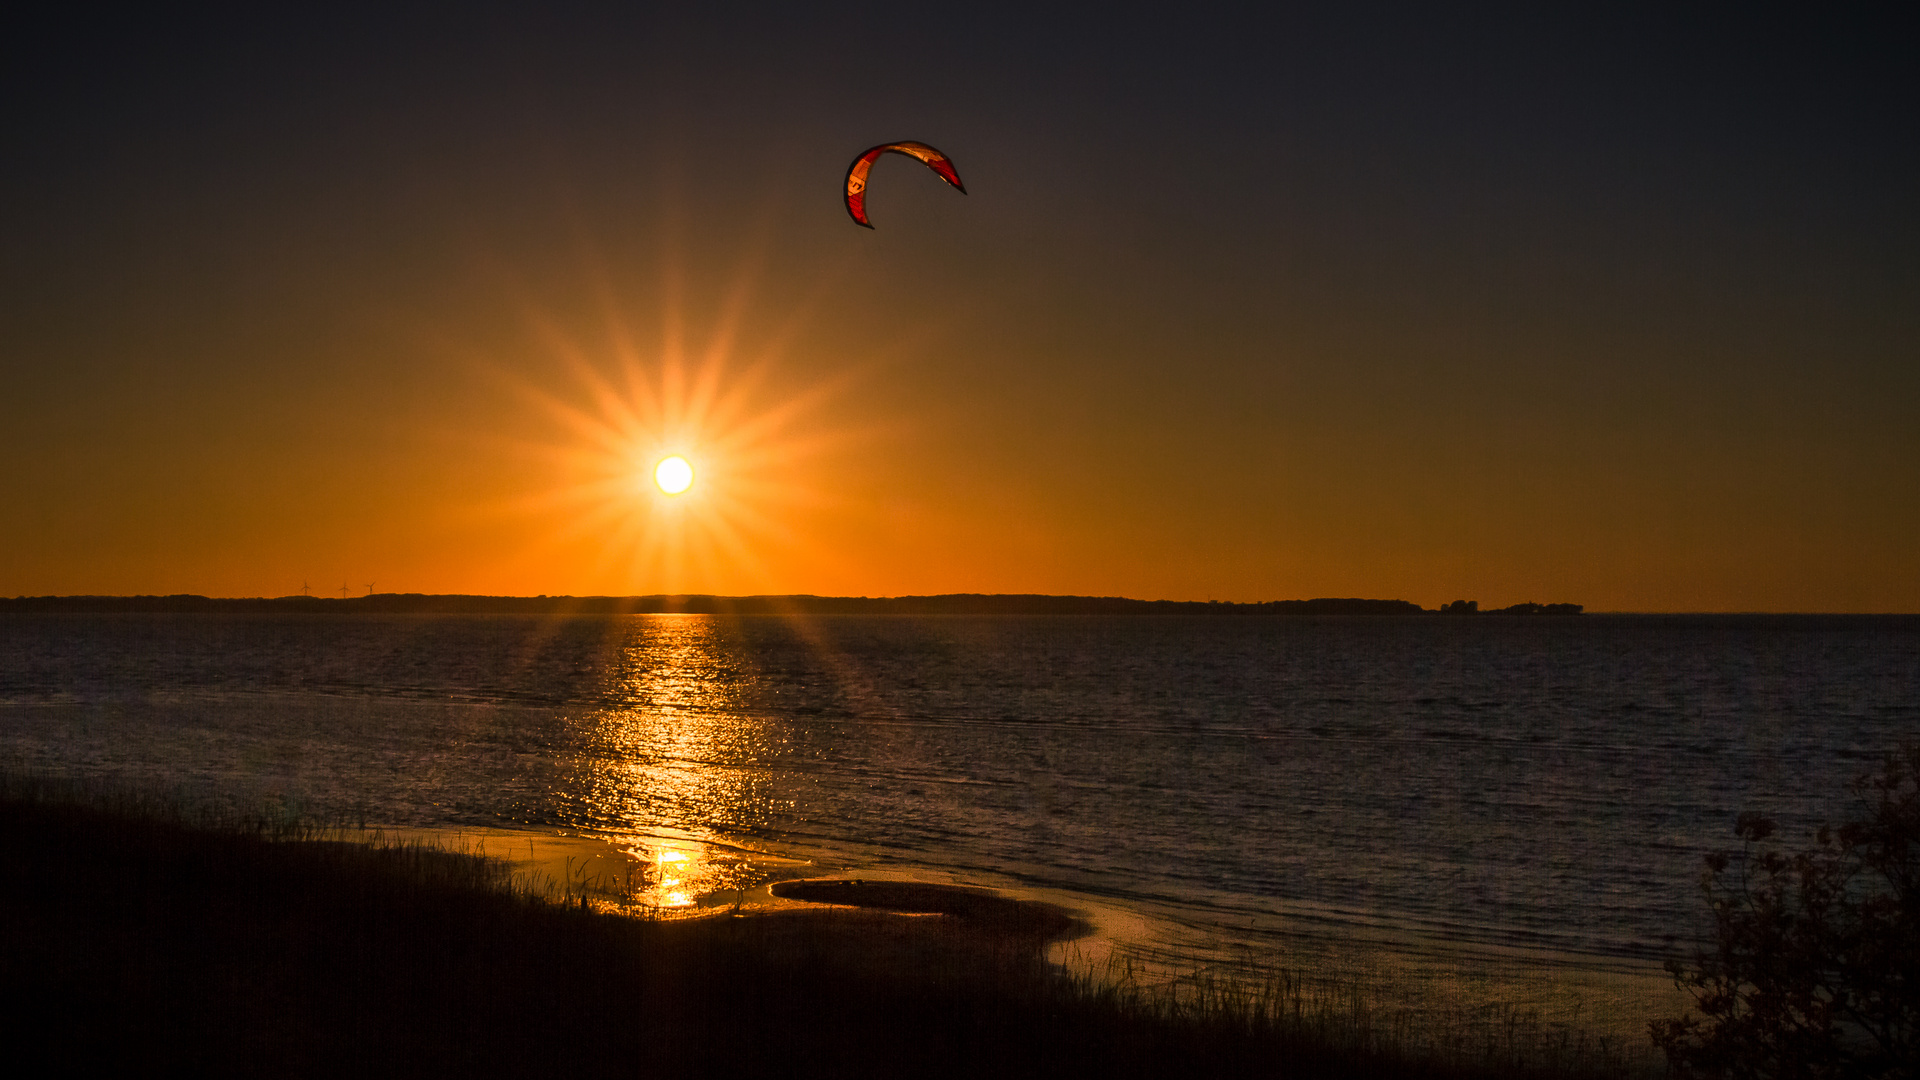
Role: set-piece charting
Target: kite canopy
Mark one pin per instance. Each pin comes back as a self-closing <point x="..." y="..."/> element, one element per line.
<point x="862" y="165"/>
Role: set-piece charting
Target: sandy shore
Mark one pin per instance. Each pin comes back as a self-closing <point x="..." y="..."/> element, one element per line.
<point x="684" y="878"/>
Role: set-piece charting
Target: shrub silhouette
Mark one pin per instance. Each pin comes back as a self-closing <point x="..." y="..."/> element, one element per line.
<point x="1814" y="969"/>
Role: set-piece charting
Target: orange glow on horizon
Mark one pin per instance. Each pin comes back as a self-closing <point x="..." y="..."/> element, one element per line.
<point x="620" y="501"/>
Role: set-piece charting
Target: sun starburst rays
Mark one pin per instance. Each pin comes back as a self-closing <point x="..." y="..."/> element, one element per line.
<point x="753" y="442"/>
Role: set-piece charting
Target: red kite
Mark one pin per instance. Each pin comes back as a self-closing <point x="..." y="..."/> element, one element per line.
<point x="921" y="152"/>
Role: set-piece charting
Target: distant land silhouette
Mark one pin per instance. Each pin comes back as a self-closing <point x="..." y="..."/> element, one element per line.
<point x="950" y="604"/>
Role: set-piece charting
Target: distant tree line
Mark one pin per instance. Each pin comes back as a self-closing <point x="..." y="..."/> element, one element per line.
<point x="950" y="604"/>
<point x="1472" y="607"/>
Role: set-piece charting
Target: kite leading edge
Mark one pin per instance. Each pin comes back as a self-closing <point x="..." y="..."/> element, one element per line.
<point x="862" y="165"/>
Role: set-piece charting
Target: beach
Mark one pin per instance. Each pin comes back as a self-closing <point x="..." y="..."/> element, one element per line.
<point x="1607" y="1001"/>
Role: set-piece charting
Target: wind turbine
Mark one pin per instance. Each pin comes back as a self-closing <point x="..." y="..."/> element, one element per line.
<point x="369" y="588"/>
<point x="304" y="591"/>
<point x="343" y="590"/>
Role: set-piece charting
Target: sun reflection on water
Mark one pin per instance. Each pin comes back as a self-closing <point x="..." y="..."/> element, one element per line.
<point x="674" y="774"/>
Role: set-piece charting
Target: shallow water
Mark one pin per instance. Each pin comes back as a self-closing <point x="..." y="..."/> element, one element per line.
<point x="1505" y="790"/>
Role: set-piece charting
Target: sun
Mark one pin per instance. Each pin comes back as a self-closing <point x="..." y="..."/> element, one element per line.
<point x="674" y="467"/>
<point x="673" y="474"/>
<point x="691" y="449"/>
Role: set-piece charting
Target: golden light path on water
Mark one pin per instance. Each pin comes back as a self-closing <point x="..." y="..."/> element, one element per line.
<point x="671" y="777"/>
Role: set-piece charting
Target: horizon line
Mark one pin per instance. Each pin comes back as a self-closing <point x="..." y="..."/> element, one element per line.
<point x="1327" y="605"/>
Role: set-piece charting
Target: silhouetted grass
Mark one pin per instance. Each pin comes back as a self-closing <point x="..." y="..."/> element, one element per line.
<point x="145" y="935"/>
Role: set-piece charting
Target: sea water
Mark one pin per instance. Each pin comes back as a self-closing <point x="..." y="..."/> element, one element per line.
<point x="1451" y="793"/>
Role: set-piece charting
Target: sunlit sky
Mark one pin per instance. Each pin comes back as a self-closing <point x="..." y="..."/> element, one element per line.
<point x="1349" y="302"/>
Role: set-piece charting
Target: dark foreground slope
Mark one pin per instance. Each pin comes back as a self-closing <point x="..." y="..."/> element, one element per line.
<point x="136" y="941"/>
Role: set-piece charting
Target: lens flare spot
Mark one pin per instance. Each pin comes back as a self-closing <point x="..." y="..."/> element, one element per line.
<point x="674" y="475"/>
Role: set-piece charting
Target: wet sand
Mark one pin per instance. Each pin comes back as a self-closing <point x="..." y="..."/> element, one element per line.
<point x="684" y="878"/>
<point x="977" y="907"/>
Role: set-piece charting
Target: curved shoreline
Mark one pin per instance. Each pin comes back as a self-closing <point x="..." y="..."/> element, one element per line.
<point x="977" y="906"/>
